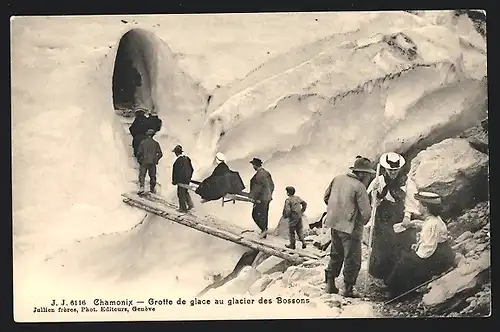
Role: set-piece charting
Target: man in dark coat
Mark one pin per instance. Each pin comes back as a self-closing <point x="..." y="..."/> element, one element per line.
<point x="221" y="182"/>
<point x="138" y="129"/>
<point x="148" y="154"/>
<point x="261" y="191"/>
<point x="182" y="171"/>
<point x="348" y="211"/>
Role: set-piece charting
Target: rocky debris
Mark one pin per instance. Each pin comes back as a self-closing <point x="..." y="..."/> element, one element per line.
<point x="297" y="273"/>
<point x="478" y="136"/>
<point x="272" y="264"/>
<point x="456" y="171"/>
<point x="276" y="276"/>
<point x="239" y="285"/>
<point x="466" y="277"/>
<point x="480" y="303"/>
<point x="333" y="300"/>
<point x="312" y="263"/>
<point x="260" y="285"/>
<point x="320" y="241"/>
<point x="311" y="290"/>
<point x="311" y="232"/>
<point x="358" y="310"/>
<point x="471" y="221"/>
<point x="281" y="229"/>
<point x="261" y="256"/>
<point x="465" y="236"/>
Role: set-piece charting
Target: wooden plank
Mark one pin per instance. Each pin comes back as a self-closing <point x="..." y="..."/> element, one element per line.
<point x="215" y="232"/>
<point x="233" y="229"/>
<point x="301" y="252"/>
<point x="185" y="220"/>
<point x="204" y="226"/>
<point x="187" y="186"/>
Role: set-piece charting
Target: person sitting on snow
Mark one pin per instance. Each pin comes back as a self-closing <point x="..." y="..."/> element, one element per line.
<point x="431" y="255"/>
<point x="293" y="209"/>
<point x="221" y="182"/>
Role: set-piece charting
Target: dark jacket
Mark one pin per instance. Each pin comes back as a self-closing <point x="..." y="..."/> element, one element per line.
<point x="220" y="169"/>
<point x="154" y="123"/>
<point x="149" y="152"/>
<point x="139" y="126"/>
<point x="182" y="171"/>
<point x="222" y="181"/>
<point x="294" y="208"/>
<point x="348" y="205"/>
<point x="262" y="186"/>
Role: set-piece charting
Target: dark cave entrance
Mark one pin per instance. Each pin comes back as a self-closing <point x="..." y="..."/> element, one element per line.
<point x="132" y="72"/>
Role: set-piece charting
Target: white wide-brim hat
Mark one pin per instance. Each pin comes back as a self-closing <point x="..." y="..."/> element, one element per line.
<point x="428" y="197"/>
<point x="392" y="161"/>
<point x="220" y="157"/>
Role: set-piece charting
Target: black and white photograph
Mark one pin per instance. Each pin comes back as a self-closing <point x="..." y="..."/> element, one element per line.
<point x="248" y="166"/>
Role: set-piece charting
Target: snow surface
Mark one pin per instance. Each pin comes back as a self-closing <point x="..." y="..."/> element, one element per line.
<point x="341" y="88"/>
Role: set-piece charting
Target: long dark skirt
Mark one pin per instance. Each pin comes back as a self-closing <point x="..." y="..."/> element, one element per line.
<point x="215" y="187"/>
<point x="386" y="244"/>
<point x="411" y="270"/>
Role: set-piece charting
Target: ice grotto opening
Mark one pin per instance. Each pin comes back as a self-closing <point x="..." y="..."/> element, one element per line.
<point x="132" y="71"/>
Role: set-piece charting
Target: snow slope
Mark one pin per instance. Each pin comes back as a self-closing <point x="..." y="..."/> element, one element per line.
<point x="72" y="160"/>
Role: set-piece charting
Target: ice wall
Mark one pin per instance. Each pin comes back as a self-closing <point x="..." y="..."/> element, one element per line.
<point x="366" y="96"/>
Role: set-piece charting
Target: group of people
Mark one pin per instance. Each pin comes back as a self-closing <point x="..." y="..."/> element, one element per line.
<point x="410" y="240"/>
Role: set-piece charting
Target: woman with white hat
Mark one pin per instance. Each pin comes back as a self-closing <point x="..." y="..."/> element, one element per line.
<point x="391" y="195"/>
<point x="430" y="255"/>
<point x="220" y="161"/>
<point x="220" y="182"/>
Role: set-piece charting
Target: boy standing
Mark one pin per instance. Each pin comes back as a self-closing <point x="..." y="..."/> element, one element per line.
<point x="293" y="210"/>
<point x="148" y="155"/>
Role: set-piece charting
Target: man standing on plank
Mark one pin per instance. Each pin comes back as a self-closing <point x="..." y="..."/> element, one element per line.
<point x="261" y="192"/>
<point x="182" y="171"/>
<point x="149" y="154"/>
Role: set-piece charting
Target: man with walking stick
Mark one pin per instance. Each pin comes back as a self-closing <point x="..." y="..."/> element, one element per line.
<point x="347" y="213"/>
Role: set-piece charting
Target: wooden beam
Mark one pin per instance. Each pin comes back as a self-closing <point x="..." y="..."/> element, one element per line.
<point x="212" y="227"/>
<point x="302" y="252"/>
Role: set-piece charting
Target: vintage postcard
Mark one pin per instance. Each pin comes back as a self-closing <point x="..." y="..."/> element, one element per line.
<point x="250" y="166"/>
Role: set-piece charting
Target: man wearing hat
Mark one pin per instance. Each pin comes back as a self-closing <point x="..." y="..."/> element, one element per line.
<point x="261" y="192"/>
<point x="392" y="187"/>
<point x="138" y="129"/>
<point x="148" y="154"/>
<point x="347" y="212"/>
<point x="182" y="171"/>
